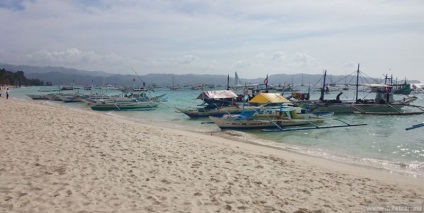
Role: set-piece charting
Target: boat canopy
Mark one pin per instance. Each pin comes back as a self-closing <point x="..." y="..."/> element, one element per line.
<point x="266" y="98"/>
<point x="377" y="85"/>
<point x="216" y="94"/>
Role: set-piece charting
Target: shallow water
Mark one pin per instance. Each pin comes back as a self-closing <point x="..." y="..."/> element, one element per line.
<point x="382" y="143"/>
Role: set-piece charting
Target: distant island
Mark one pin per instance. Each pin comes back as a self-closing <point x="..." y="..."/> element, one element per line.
<point x="17" y="79"/>
<point x="70" y="76"/>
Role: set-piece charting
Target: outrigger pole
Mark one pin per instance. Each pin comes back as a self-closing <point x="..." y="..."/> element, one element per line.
<point x="415" y="126"/>
<point x="321" y="98"/>
<point x="313" y="127"/>
<point x="144" y="83"/>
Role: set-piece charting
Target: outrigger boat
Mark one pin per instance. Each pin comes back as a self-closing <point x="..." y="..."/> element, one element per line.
<point x="271" y="104"/>
<point x="215" y="103"/>
<point x="271" y="120"/>
<point x="248" y="120"/>
<point x="133" y="101"/>
<point x="383" y="101"/>
<point x="38" y="96"/>
<point x="266" y="117"/>
<point x="404" y="89"/>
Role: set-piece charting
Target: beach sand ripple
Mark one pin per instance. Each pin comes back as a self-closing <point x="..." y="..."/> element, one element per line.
<point x="55" y="159"/>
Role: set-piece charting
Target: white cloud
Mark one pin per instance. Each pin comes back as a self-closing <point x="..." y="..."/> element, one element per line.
<point x="186" y="59"/>
<point x="216" y="36"/>
<point x="242" y="64"/>
<point x="261" y="55"/>
<point x="304" y="58"/>
<point x="279" y="56"/>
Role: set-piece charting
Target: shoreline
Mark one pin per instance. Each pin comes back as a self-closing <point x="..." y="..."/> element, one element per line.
<point x="341" y="160"/>
<point x="58" y="158"/>
<point x="399" y="157"/>
<point x="392" y="167"/>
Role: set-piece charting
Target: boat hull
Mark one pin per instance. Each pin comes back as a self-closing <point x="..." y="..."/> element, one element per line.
<point x="37" y="97"/>
<point x="192" y="113"/>
<point x="124" y="106"/>
<point x="346" y="108"/>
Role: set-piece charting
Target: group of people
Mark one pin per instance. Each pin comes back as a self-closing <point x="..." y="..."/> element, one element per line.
<point x="7" y="92"/>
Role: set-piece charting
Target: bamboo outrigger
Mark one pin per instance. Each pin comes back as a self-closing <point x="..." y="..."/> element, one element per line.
<point x="415" y="126"/>
<point x="396" y="112"/>
<point x="281" y="129"/>
<point x="389" y="113"/>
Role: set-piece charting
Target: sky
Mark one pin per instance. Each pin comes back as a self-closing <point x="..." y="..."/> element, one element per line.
<point x="253" y="38"/>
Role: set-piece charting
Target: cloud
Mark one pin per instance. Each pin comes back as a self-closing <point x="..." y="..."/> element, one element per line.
<point x="214" y="36"/>
<point x="15" y="5"/>
<point x="279" y="56"/>
<point x="242" y="64"/>
<point x="75" y="58"/>
<point x="185" y="60"/>
<point x="304" y="58"/>
<point x="261" y="55"/>
<point x="350" y="65"/>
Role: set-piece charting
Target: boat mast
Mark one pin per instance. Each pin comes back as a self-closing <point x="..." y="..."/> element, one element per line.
<point x="266" y="83"/>
<point x="357" y="85"/>
<point x="144" y="83"/>
<point x="321" y="98"/>
<point x="292" y="84"/>
<point x="173" y="81"/>
<point x="302" y="81"/>
<point x="228" y="82"/>
<point x="244" y="95"/>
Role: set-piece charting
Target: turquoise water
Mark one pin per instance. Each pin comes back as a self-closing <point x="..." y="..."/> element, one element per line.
<point x="383" y="143"/>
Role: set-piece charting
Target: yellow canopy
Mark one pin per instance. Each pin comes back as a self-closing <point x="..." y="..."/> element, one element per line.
<point x="266" y="98"/>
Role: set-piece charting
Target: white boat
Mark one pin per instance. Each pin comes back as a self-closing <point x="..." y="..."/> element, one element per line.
<point x="216" y="103"/>
<point x="197" y="87"/>
<point x="173" y="86"/>
<point x="252" y="120"/>
<point x="271" y="116"/>
<point x="120" y="106"/>
<point x="38" y="96"/>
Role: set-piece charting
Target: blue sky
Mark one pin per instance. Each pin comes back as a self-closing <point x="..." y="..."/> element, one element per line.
<point x="251" y="37"/>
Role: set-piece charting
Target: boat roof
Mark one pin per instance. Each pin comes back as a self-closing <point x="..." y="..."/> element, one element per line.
<point x="377" y="85"/>
<point x="266" y="98"/>
<point x="217" y="94"/>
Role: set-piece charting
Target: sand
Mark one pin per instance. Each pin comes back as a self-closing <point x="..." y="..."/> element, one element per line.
<point x="57" y="159"/>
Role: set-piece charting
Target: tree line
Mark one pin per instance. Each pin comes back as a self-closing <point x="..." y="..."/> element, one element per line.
<point x="17" y="79"/>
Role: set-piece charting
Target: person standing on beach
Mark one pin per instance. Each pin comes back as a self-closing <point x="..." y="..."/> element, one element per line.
<point x="7" y="93"/>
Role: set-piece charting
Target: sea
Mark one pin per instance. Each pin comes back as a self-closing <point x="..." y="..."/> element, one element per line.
<point x="384" y="143"/>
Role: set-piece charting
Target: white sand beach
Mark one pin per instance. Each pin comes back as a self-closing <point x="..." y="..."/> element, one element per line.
<point x="57" y="159"/>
